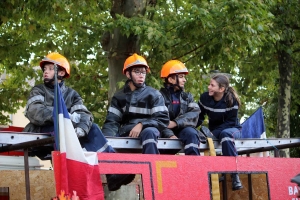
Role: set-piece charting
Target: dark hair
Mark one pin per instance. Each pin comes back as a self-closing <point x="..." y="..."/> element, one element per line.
<point x="230" y="93"/>
<point x="173" y="76"/>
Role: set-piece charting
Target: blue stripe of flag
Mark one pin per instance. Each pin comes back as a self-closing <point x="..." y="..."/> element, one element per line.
<point x="59" y="108"/>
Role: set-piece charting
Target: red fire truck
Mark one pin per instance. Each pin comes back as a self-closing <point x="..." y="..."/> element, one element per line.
<point x="175" y="176"/>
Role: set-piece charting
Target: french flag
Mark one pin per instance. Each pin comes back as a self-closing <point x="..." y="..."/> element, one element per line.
<point x="254" y="126"/>
<point x="75" y="170"/>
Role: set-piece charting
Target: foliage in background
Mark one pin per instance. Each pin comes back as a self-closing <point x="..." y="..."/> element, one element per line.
<point x="241" y="38"/>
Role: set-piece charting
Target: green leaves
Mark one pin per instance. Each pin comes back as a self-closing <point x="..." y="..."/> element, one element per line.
<point x="239" y="37"/>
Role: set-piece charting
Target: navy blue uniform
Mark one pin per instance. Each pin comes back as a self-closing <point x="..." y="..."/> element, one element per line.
<point x="185" y="112"/>
<point x="223" y="121"/>
<point x="144" y="105"/>
<point x="39" y="111"/>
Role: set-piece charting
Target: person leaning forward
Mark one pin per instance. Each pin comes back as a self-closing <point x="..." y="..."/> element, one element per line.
<point x="221" y="104"/>
<point x="137" y="110"/>
<point x="39" y="111"/>
<point x="183" y="111"/>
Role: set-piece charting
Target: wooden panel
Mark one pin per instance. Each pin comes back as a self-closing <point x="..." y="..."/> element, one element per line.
<point x="41" y="184"/>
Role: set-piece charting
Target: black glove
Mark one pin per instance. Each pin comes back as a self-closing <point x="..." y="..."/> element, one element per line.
<point x="202" y="137"/>
<point x="207" y="132"/>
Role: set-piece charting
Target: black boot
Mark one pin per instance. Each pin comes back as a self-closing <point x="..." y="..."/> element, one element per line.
<point x="115" y="181"/>
<point x="296" y="179"/>
<point x="236" y="183"/>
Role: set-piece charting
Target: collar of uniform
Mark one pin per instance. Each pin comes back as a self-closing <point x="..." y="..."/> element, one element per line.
<point x="171" y="89"/>
<point x="127" y="87"/>
<point x="51" y="86"/>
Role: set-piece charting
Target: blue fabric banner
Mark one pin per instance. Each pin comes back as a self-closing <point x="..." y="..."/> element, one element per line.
<point x="254" y="126"/>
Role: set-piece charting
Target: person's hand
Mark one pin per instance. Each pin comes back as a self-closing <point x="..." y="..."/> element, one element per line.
<point x="75" y="117"/>
<point x="135" y="132"/>
<point x="79" y="132"/>
<point x="172" y="124"/>
<point x="173" y="137"/>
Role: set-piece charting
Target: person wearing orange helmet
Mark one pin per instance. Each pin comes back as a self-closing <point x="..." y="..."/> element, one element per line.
<point x="137" y="110"/>
<point x="40" y="103"/>
<point x="183" y="111"/>
<point x="39" y="111"/>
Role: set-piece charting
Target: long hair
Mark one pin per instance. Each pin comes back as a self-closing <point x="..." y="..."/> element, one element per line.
<point x="230" y="93"/>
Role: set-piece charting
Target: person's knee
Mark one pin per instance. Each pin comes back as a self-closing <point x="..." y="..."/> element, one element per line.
<point x="150" y="132"/>
<point x="230" y="133"/>
<point x="190" y="132"/>
<point x="225" y="134"/>
<point x="95" y="129"/>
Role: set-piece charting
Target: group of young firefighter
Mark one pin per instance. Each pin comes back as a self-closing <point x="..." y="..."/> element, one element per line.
<point x="139" y="111"/>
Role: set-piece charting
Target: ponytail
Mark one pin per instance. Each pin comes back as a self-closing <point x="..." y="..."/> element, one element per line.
<point x="230" y="96"/>
<point x="230" y="93"/>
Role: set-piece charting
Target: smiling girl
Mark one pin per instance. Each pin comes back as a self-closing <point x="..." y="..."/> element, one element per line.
<point x="221" y="103"/>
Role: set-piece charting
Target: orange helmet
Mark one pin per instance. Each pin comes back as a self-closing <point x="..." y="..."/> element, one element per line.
<point x="56" y="58"/>
<point x="173" y="67"/>
<point x="135" y="60"/>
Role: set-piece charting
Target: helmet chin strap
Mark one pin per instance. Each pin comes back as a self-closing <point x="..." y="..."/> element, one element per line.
<point x="50" y="81"/>
<point x="177" y="84"/>
<point x="135" y="84"/>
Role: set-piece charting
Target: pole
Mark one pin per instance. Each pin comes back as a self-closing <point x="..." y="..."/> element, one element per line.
<point x="27" y="180"/>
<point x="56" y="128"/>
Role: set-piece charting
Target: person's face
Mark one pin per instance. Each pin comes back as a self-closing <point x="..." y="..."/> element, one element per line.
<point x="49" y="71"/>
<point x="181" y="80"/>
<point x="214" y="89"/>
<point x="138" y="75"/>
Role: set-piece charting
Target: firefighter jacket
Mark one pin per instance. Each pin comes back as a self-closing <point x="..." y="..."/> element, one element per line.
<point x="39" y="108"/>
<point x="188" y="114"/>
<point x="144" y="105"/>
<point x="220" y="116"/>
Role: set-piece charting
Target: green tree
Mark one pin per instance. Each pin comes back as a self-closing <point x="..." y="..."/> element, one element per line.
<point x="31" y="29"/>
<point x="254" y="41"/>
<point x="204" y="35"/>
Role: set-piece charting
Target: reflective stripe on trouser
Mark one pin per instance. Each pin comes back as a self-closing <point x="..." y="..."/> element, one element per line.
<point x="148" y="138"/>
<point x="190" y="139"/>
<point x="226" y="138"/>
<point x="95" y="141"/>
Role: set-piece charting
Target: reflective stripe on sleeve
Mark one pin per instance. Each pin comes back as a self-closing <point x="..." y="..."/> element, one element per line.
<point x="78" y="107"/>
<point x="193" y="105"/>
<point x="159" y="109"/>
<point x="147" y="111"/>
<point x="115" y="111"/>
<point x="33" y="99"/>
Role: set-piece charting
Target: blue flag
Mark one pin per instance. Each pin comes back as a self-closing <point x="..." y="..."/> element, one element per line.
<point x="254" y="126"/>
<point x="59" y="108"/>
